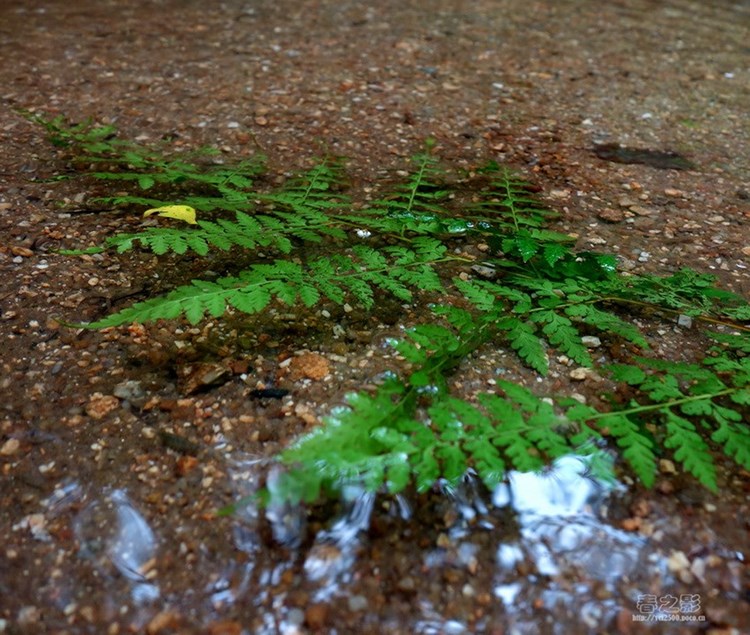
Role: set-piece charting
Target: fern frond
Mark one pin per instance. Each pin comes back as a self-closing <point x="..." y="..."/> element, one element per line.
<point x="739" y="342"/>
<point x="734" y="438"/>
<point x="698" y="392"/>
<point x="606" y="322"/>
<point x="415" y="206"/>
<point x="247" y="231"/>
<point x="253" y="289"/>
<point x="314" y="190"/>
<point x="508" y="202"/>
<point x="687" y="291"/>
<point x="637" y="447"/>
<point x="359" y="443"/>
<point x="690" y="449"/>
<point x="562" y="335"/>
<point x="523" y="339"/>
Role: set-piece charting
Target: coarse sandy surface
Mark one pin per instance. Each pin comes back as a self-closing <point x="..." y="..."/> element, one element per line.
<point x="107" y="522"/>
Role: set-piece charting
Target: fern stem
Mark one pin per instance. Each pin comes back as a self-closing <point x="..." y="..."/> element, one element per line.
<point x="644" y="305"/>
<point x="511" y="200"/>
<point x="663" y="405"/>
<point x="418" y="182"/>
<point x="656" y="307"/>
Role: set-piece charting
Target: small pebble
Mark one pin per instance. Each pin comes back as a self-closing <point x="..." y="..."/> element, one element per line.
<point x="591" y="341"/>
<point x="640" y="210"/>
<point x="29" y="615"/>
<point x="99" y="406"/>
<point x="579" y="374"/>
<point x="611" y="215"/>
<point x="667" y="467"/>
<point x="24" y="252"/>
<point x="357" y="603"/>
<point x="677" y="562"/>
<point x="130" y="390"/>
<point x="559" y="194"/>
<point x="10" y="447"/>
<point x="316" y="616"/>
<point x="295" y="616"/>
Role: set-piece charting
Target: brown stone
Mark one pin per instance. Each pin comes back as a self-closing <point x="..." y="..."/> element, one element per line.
<point x="186" y="464"/>
<point x="309" y="366"/>
<point x="316" y="616"/>
<point x="225" y="628"/>
<point x="99" y="406"/>
<point x="24" y="252"/>
<point x="631" y="524"/>
<point x="162" y="622"/>
<point x="611" y="215"/>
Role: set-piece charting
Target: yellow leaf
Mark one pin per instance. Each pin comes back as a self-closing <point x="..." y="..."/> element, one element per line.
<point x="180" y="212"/>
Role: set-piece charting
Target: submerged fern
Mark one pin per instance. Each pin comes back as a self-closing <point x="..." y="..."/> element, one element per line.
<point x="536" y="295"/>
<point x="674" y="391"/>
<point x="382" y="440"/>
<point x="299" y="211"/>
<point x="357" y="275"/>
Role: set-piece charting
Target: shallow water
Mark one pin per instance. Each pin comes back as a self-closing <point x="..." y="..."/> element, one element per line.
<point x="542" y="535"/>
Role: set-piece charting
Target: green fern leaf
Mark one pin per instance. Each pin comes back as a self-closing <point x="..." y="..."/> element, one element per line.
<point x="523" y="244"/>
<point x="662" y="387"/>
<point x="733" y="341"/>
<point x="476" y="293"/>
<point x="607" y="323"/>
<point x="553" y="252"/>
<point x="697" y="407"/>
<point x="581" y="412"/>
<point x="633" y="375"/>
<point x="524" y="341"/>
<point x="250" y="299"/>
<point x="427" y="470"/>
<point x="735" y="440"/>
<point x="398" y="476"/>
<point x="421" y="276"/>
<point x="434" y="337"/>
<point x="193" y="298"/>
<point x="637" y="448"/>
<point x="309" y="295"/>
<point x="543" y="433"/>
<point x="452" y="462"/>
<point x="690" y="449"/>
<point x="741" y="397"/>
<point x="562" y="335"/>
<point x="360" y="290"/>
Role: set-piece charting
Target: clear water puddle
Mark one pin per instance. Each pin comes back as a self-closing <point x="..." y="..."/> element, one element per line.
<point x="560" y="558"/>
<point x="116" y="538"/>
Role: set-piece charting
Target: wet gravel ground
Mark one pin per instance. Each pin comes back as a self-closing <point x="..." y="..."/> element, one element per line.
<point x="117" y="447"/>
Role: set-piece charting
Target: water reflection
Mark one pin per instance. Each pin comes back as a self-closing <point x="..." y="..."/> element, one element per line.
<point x="550" y="549"/>
<point x="246" y="474"/>
<point x="331" y="558"/>
<point x="562" y="537"/>
<point x="113" y="534"/>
